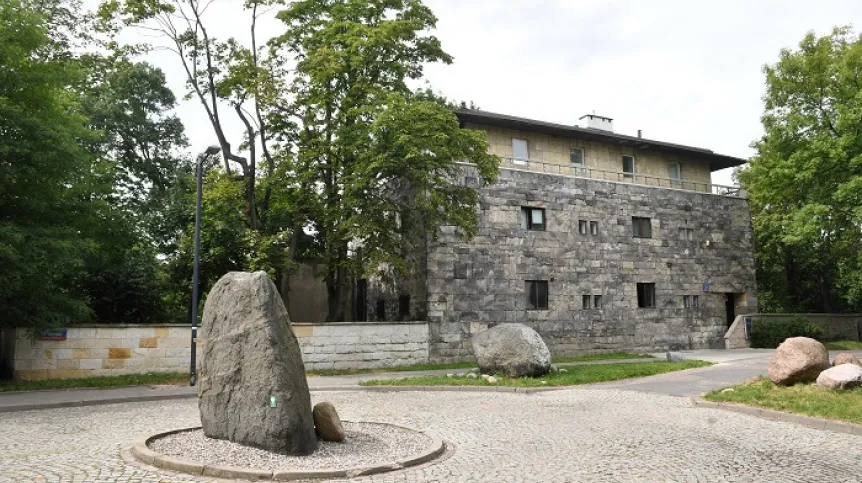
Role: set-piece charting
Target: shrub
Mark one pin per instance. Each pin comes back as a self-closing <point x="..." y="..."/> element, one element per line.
<point x="767" y="335"/>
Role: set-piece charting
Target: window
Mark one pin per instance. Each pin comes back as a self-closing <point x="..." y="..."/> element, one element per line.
<point x="686" y="234"/>
<point x="537" y="294"/>
<point x="582" y="227"/>
<point x="520" y="149"/>
<point x="674" y="173"/>
<point x="628" y="166"/>
<point x="403" y="306"/>
<point x="576" y="156"/>
<point x="691" y="301"/>
<point x="641" y="227"/>
<point x="646" y="295"/>
<point x="586" y="302"/>
<point x="597" y="301"/>
<point x="532" y="218"/>
<point x="594" y="228"/>
<point x="381" y="309"/>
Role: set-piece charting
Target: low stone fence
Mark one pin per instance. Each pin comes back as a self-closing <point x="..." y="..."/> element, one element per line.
<point x="835" y="327"/>
<point x="110" y="350"/>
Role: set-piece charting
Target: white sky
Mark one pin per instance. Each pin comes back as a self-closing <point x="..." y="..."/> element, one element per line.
<point x="683" y="71"/>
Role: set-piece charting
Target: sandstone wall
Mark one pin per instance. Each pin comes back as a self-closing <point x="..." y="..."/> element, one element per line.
<point x="128" y="349"/>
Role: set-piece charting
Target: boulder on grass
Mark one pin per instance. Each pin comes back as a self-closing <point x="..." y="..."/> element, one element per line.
<point x="252" y="388"/>
<point x="512" y="349"/>
<point x="846" y="358"/>
<point x="845" y="376"/>
<point x="327" y="423"/>
<point x="798" y="359"/>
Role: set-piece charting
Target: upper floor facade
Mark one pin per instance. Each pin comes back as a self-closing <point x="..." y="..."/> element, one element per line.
<point x="597" y="152"/>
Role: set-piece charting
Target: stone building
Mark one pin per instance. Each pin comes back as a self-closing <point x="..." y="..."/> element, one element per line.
<point x="599" y="241"/>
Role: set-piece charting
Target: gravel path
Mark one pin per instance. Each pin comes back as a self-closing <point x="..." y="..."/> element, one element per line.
<point x="568" y="436"/>
<point x="366" y="444"/>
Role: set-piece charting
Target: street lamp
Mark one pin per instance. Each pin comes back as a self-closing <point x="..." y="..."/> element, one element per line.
<point x="210" y="151"/>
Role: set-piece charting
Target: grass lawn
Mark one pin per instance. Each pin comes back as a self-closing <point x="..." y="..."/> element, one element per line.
<point x="575" y="375"/>
<point x="105" y="381"/>
<point x="470" y="365"/>
<point x="807" y="399"/>
<point x="844" y="345"/>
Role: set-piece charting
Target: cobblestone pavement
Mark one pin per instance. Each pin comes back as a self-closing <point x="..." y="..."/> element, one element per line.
<point x="577" y="435"/>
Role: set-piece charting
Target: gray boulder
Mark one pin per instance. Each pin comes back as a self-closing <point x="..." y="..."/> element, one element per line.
<point x="844" y="376"/>
<point x="327" y="423"/>
<point x="846" y="358"/>
<point x="798" y="359"/>
<point x="252" y="388"/>
<point x="513" y="349"/>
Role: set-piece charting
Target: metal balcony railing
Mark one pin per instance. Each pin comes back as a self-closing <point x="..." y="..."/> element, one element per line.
<point x="619" y="176"/>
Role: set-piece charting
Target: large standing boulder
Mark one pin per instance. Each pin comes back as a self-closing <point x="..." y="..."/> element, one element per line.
<point x="846" y="358"/>
<point x="252" y="388"/>
<point x="513" y="349"/>
<point x="845" y="376"/>
<point x="798" y="359"/>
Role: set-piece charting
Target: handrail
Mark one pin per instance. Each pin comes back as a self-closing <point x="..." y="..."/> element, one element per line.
<point x="619" y="176"/>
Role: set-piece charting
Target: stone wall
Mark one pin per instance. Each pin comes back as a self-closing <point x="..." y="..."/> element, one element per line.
<point x="110" y="350"/>
<point x="476" y="284"/>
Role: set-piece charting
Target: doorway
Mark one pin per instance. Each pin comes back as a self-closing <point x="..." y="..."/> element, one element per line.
<point x="730" y="303"/>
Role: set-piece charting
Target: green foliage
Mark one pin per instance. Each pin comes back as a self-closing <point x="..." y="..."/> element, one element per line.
<point x="383" y="158"/>
<point x="46" y="176"/>
<point x="804" y="182"/>
<point x="767" y="335"/>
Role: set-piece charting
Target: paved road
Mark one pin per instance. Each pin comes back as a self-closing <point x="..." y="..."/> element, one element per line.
<point x="576" y="435"/>
<point x="630" y="431"/>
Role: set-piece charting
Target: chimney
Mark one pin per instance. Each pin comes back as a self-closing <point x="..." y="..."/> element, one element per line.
<point x="599" y="122"/>
<point x="639" y="133"/>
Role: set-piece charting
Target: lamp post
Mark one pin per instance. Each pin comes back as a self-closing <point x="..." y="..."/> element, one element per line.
<point x="210" y="151"/>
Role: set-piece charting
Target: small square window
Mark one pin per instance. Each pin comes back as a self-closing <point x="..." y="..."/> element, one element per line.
<point x="532" y="218"/>
<point x="691" y="301"/>
<point x="586" y="303"/>
<point x="594" y="228"/>
<point x="597" y="301"/>
<point x="582" y="227"/>
<point x="520" y="149"/>
<point x="686" y="234"/>
<point x="628" y="166"/>
<point x="576" y="156"/>
<point x="641" y="227"/>
<point x="537" y="294"/>
<point x="646" y="295"/>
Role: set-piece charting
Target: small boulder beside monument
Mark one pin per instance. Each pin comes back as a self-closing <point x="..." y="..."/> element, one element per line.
<point x="512" y="349"/>
<point x="252" y="388"/>
<point x="327" y="423"/>
<point x="798" y="359"/>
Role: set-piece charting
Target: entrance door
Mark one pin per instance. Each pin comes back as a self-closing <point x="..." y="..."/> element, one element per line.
<point x="730" y="307"/>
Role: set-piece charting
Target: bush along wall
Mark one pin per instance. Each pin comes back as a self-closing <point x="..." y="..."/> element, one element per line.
<point x="767" y="335"/>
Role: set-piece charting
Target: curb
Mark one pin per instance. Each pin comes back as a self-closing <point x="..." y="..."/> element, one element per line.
<point x="142" y="452"/>
<point x="521" y="390"/>
<point x="93" y="402"/>
<point x="772" y="415"/>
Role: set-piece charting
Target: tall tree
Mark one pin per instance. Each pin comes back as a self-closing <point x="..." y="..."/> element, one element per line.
<point x="382" y="159"/>
<point x="46" y="175"/>
<point x="805" y="181"/>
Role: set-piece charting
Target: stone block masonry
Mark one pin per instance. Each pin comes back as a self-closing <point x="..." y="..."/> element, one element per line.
<point x="112" y="350"/>
<point x="700" y="246"/>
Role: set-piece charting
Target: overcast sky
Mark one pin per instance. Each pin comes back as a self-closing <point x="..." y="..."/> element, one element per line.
<point x="687" y="72"/>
